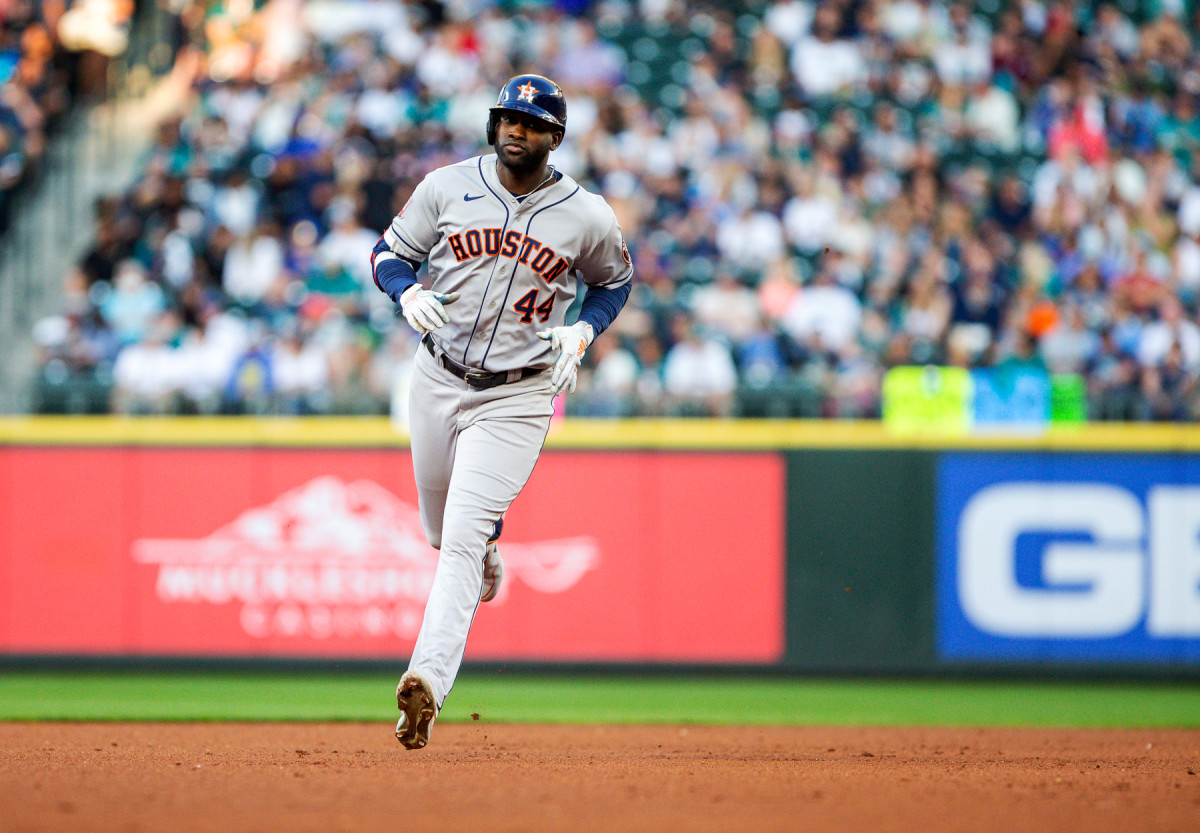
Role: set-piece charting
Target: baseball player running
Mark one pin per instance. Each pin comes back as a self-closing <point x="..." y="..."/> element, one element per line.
<point x="508" y="239"/>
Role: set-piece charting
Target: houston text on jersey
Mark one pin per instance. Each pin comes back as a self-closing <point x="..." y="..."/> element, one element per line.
<point x="514" y="244"/>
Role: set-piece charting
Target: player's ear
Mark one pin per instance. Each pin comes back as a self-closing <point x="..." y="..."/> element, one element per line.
<point x="556" y="140"/>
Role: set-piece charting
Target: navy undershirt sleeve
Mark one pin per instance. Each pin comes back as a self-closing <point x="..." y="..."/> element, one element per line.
<point x="601" y="305"/>
<point x="392" y="275"/>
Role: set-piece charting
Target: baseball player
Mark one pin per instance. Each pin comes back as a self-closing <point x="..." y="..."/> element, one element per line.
<point x="508" y="240"/>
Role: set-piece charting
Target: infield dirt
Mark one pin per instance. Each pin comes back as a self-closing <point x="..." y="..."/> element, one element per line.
<point x="232" y="777"/>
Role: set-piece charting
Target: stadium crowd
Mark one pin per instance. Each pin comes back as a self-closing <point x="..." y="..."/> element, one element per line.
<point x="51" y="54"/>
<point x="812" y="193"/>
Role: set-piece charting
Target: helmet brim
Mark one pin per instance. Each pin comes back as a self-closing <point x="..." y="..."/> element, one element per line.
<point x="529" y="109"/>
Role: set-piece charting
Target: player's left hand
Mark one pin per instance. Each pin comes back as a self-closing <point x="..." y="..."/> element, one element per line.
<point x="570" y="342"/>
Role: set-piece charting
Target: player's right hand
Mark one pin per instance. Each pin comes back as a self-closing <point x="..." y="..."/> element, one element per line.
<point x="423" y="308"/>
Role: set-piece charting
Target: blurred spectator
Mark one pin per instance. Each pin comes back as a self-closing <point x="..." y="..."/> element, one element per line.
<point x="809" y="217"/>
<point x="146" y="374"/>
<point x="98" y="30"/>
<point x="612" y="385"/>
<point x="993" y="117"/>
<point x="749" y="240"/>
<point x="1171" y="332"/>
<point x="586" y="62"/>
<point x="1070" y="346"/>
<point x="823" y="316"/>
<point x="824" y="63"/>
<point x="964" y="57"/>
<point x="132" y="303"/>
<point x="301" y="373"/>
<point x="698" y="374"/>
<point x="726" y="307"/>
<point x="253" y="264"/>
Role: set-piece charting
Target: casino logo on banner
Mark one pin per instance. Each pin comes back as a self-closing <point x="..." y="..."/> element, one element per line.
<point x="335" y="559"/>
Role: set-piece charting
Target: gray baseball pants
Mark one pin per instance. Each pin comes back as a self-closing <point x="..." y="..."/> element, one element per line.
<point x="473" y="452"/>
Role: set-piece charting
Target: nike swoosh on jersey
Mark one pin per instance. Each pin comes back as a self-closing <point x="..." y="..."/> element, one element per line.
<point x="468" y="197"/>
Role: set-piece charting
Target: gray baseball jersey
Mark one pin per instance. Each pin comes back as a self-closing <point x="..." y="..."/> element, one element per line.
<point x="513" y="262"/>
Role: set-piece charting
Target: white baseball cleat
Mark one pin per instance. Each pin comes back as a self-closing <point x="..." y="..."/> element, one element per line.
<point x="493" y="572"/>
<point x="493" y="564"/>
<point x="418" y="706"/>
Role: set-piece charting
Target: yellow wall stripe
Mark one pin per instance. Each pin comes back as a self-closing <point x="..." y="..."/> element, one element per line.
<point x="350" y="432"/>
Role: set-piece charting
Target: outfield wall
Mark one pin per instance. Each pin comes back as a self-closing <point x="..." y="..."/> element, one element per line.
<point x="810" y="546"/>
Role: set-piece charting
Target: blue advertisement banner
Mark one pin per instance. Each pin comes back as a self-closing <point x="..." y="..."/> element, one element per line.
<point x="1013" y="397"/>
<point x="1053" y="557"/>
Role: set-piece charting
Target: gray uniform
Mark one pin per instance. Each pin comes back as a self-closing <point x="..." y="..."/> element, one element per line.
<point x="516" y="265"/>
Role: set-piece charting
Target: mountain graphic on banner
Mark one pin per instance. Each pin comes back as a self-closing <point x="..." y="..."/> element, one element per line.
<point x="345" y="549"/>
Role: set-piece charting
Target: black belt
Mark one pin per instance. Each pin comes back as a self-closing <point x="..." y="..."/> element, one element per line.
<point x="473" y="376"/>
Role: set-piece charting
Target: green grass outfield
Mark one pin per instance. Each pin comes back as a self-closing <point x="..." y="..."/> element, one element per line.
<point x="591" y="698"/>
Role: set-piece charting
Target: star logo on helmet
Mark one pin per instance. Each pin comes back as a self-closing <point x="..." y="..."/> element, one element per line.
<point x="526" y="92"/>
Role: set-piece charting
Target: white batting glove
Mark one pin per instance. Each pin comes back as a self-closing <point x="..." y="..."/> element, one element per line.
<point x="570" y="342"/>
<point x="422" y="308"/>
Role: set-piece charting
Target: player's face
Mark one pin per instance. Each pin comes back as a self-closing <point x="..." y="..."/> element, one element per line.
<point x="523" y="142"/>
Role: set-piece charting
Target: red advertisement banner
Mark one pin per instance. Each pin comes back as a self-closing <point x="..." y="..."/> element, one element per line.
<point x="662" y="556"/>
